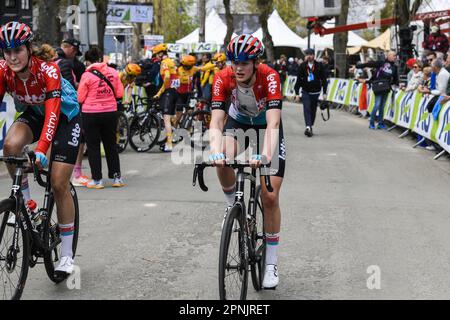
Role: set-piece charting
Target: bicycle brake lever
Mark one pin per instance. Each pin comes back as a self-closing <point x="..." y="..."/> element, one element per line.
<point x="201" y="181"/>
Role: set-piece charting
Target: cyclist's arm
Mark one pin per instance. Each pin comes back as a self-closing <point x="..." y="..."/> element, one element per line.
<point x="271" y="137"/>
<point x="166" y="82"/>
<point x="52" y="110"/>
<point x="218" y="104"/>
<point x="273" y="115"/>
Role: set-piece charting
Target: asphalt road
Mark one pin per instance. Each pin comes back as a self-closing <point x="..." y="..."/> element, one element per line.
<point x="351" y="199"/>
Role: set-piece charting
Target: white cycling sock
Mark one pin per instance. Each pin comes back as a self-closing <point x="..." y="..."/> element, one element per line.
<point x="230" y="195"/>
<point x="272" y="241"/>
<point x="26" y="189"/>
<point x="66" y="234"/>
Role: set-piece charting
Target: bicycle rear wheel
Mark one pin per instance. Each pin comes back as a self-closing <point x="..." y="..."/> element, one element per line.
<point x="258" y="243"/>
<point x="123" y="131"/>
<point x="52" y="236"/>
<point x="144" y="132"/>
<point x="233" y="258"/>
<point x="14" y="260"/>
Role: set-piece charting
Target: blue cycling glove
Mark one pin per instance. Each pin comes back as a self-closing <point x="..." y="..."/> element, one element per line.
<point x="216" y="157"/>
<point x="42" y="158"/>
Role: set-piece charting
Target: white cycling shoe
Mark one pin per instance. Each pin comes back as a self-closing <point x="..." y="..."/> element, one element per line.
<point x="65" y="267"/>
<point x="271" y="279"/>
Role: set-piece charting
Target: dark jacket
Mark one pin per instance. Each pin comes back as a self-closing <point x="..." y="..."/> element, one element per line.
<point x="319" y="82"/>
<point x="383" y="70"/>
<point x="66" y="66"/>
<point x="436" y="42"/>
<point x="79" y="69"/>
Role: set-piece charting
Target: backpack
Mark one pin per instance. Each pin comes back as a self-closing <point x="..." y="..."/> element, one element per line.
<point x="150" y="73"/>
<point x="69" y="99"/>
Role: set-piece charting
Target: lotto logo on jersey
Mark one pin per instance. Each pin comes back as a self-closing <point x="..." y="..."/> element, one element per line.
<point x="50" y="70"/>
<point x="2" y="64"/>
<point x="217" y="86"/>
<point x="272" y="83"/>
<point x="33" y="100"/>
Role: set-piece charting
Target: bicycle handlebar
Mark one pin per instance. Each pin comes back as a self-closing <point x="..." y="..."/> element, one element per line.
<point x="33" y="168"/>
<point x="199" y="168"/>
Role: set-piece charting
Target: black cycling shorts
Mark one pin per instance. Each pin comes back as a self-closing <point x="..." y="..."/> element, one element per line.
<point x="167" y="101"/>
<point x="278" y="165"/>
<point x="66" y="142"/>
<point x="183" y="101"/>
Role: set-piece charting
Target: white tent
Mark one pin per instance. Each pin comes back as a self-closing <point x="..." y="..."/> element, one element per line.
<point x="282" y="36"/>
<point x="215" y="31"/>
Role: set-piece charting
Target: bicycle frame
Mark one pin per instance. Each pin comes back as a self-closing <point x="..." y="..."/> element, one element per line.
<point x="23" y="212"/>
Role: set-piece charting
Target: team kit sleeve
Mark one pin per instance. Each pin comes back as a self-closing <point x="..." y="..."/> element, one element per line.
<point x="274" y="95"/>
<point x="219" y="94"/>
<point x="52" y="107"/>
<point x="2" y="80"/>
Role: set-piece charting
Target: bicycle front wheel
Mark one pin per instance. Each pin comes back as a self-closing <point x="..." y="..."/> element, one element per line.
<point x="233" y="258"/>
<point x="14" y="257"/>
<point x="52" y="236"/>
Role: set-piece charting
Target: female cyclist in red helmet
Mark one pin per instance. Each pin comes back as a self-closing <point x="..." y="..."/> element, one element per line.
<point x="250" y="92"/>
<point x="35" y="86"/>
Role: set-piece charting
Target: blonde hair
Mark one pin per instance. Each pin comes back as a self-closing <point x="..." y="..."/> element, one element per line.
<point x="45" y="52"/>
<point x="427" y="71"/>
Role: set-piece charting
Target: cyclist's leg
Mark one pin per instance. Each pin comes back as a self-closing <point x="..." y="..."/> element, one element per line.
<point x="182" y="101"/>
<point x="18" y="136"/>
<point x="167" y="103"/>
<point x="64" y="155"/>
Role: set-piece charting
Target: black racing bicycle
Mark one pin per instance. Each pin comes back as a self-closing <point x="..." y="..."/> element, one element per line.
<point x="32" y="237"/>
<point x="243" y="242"/>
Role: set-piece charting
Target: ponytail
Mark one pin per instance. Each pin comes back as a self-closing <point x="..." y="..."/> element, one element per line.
<point x="45" y="53"/>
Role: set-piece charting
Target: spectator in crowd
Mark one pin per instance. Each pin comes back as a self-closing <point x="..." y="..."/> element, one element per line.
<point x="385" y="76"/>
<point x="447" y="61"/>
<point x="311" y="78"/>
<point x="99" y="88"/>
<point x="436" y="41"/>
<point x="67" y="53"/>
<point x="292" y="68"/>
<point x="207" y="76"/>
<point x="431" y="56"/>
<point x="410" y="64"/>
<point x="328" y="68"/>
<point x="416" y="79"/>
<point x="281" y="68"/>
<point x="442" y="78"/>
<point x="425" y="87"/>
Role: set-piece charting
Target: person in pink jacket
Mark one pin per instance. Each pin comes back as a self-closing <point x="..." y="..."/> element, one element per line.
<point x="99" y="88"/>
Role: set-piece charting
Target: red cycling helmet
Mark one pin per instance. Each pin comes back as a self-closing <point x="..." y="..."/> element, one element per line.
<point x="14" y="34"/>
<point x="245" y="47"/>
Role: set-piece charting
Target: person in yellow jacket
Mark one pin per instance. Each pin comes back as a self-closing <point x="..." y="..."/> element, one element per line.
<point x="220" y="61"/>
<point x="186" y="72"/>
<point x="207" y="76"/>
<point x="128" y="77"/>
<point x="168" y="92"/>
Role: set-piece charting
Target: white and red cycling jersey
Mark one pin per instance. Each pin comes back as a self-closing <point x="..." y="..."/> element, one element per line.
<point x="43" y="87"/>
<point x="247" y="105"/>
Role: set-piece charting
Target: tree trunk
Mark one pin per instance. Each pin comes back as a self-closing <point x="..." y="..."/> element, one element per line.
<point x="137" y="32"/>
<point x="48" y="23"/>
<point x="229" y="18"/>
<point x="266" y="7"/>
<point x="340" y="42"/>
<point x="202" y="17"/>
<point x="102" y="6"/>
<point x="405" y="14"/>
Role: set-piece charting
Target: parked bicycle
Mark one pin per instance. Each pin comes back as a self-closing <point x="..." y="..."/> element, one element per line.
<point x="243" y="243"/>
<point x="31" y="236"/>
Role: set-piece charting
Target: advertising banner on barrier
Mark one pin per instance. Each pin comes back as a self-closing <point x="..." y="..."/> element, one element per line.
<point x="424" y="121"/>
<point x="405" y="109"/>
<point x="443" y="128"/>
<point x="7" y="114"/>
<point x="288" y="88"/>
